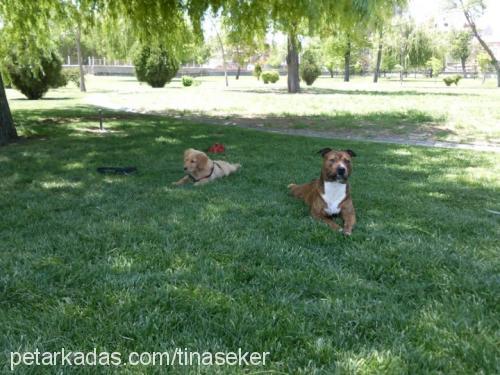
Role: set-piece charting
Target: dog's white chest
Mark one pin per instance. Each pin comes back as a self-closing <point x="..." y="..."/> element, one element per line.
<point x="335" y="193"/>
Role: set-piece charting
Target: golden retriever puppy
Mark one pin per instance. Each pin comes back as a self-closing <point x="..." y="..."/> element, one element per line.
<point x="201" y="169"/>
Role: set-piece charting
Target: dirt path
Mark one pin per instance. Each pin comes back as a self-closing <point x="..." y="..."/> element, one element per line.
<point x="100" y="101"/>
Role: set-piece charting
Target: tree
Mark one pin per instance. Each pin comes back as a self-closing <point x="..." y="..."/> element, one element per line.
<point x="220" y="42"/>
<point x="330" y="55"/>
<point x="242" y="44"/>
<point x="484" y="63"/>
<point x="420" y="48"/>
<point x="376" y="72"/>
<point x="196" y="53"/>
<point x="473" y="9"/>
<point x="380" y="23"/>
<point x="35" y="80"/>
<point x="79" y="54"/>
<point x="435" y="66"/>
<point x="7" y="129"/>
<point x="460" y="47"/>
<point x="352" y="21"/>
<point x="276" y="54"/>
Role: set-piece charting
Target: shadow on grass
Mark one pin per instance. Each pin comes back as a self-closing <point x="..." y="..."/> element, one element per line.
<point x="130" y="264"/>
<point x="44" y="99"/>
<point x="418" y="124"/>
<point x="414" y="123"/>
<point x="327" y="91"/>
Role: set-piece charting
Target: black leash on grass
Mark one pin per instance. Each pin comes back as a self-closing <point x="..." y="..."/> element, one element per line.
<point x="117" y="170"/>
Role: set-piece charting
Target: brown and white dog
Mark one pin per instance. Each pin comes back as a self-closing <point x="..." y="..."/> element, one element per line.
<point x="329" y="195"/>
<point x="201" y="169"/>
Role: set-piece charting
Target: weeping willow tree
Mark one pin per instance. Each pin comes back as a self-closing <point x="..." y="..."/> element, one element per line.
<point x="304" y="17"/>
<point x="349" y="23"/>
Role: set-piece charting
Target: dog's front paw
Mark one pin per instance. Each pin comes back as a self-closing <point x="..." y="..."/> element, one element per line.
<point x="347" y="232"/>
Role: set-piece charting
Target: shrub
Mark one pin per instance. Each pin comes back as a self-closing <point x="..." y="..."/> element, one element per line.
<point x="270" y="76"/>
<point x="257" y="71"/>
<point x="155" y="66"/>
<point x="453" y="79"/>
<point x="72" y="75"/>
<point x="187" y="81"/>
<point x="34" y="80"/>
<point x="309" y="68"/>
<point x="448" y="80"/>
<point x="435" y="66"/>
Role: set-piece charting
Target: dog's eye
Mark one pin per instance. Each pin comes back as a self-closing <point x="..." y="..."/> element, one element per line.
<point x="347" y="161"/>
<point x="192" y="161"/>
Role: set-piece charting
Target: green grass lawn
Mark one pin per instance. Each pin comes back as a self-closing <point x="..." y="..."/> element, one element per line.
<point x="420" y="109"/>
<point x="134" y="264"/>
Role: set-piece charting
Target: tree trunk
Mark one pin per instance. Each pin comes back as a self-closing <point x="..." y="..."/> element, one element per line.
<point x="225" y="72"/>
<point x="221" y="45"/>
<point x="80" y="64"/>
<point x="238" y="72"/>
<point x="292" y="62"/>
<point x="463" y="67"/>
<point x="7" y="128"/>
<point x="347" y="62"/>
<point x="379" y="59"/>
<point x="331" y="73"/>
<point x="488" y="50"/>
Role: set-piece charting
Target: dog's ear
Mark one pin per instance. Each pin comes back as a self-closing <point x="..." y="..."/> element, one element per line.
<point x="350" y="152"/>
<point x="201" y="161"/>
<point x="187" y="152"/>
<point x="324" y="151"/>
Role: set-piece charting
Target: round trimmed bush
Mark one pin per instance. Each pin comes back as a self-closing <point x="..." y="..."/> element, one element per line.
<point x="155" y="65"/>
<point x="309" y="68"/>
<point x="35" y="80"/>
<point x="187" y="81"/>
<point x="270" y="76"/>
<point x="453" y="79"/>
<point x="72" y="75"/>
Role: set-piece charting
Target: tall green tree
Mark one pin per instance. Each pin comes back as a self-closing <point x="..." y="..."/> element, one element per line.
<point x="419" y="49"/>
<point x="484" y="63"/>
<point x="293" y="18"/>
<point x="460" y="47"/>
<point x="354" y="20"/>
<point x="242" y="44"/>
